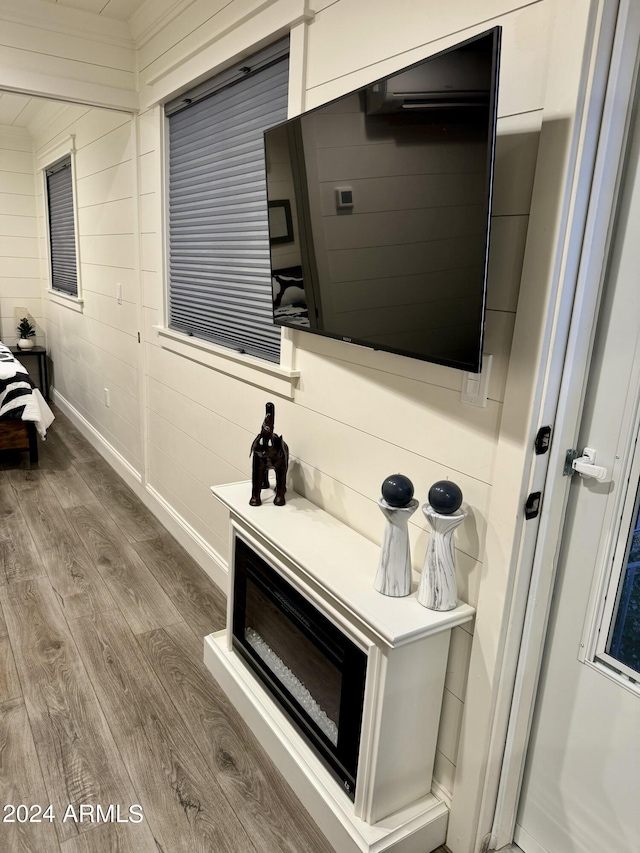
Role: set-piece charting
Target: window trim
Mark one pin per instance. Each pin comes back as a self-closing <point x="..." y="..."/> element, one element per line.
<point x="276" y="378"/>
<point x="45" y="161"/>
<point x="280" y="378"/>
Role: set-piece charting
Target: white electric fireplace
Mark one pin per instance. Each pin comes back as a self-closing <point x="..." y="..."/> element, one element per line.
<point x="342" y="685"/>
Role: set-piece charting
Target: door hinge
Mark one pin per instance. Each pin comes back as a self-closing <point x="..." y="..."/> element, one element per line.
<point x="532" y="505"/>
<point x="543" y="440"/>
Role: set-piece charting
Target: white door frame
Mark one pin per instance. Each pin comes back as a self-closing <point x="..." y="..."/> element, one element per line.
<point x="563" y="403"/>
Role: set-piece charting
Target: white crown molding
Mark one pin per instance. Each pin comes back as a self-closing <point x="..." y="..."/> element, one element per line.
<point x="62" y="19"/>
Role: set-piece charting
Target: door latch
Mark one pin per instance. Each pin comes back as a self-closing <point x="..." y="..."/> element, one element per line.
<point x="584" y="465"/>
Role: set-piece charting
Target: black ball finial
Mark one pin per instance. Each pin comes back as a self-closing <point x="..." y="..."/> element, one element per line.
<point x="397" y="490"/>
<point x="445" y="497"/>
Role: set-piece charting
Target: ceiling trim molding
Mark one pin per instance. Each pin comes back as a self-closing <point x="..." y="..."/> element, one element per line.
<point x="69" y="91"/>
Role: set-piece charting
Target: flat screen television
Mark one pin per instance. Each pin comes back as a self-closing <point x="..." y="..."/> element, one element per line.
<point x="380" y="209"/>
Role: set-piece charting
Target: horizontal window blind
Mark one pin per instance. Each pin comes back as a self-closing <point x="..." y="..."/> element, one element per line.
<point x="62" y="232"/>
<point x="219" y="267"/>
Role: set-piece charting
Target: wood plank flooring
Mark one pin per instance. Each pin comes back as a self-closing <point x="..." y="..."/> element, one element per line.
<point x="104" y="699"/>
<point x="103" y="695"/>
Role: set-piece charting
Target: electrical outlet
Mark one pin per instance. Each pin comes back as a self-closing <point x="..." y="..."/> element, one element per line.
<point x="107" y="398"/>
<point x="475" y="385"/>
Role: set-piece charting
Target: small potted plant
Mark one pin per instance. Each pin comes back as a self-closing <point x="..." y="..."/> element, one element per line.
<point x="26" y="331"/>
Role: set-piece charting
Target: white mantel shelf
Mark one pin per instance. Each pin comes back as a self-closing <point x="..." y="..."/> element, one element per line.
<point x="340" y="561"/>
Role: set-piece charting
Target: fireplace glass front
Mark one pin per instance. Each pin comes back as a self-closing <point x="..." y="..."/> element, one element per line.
<point x="312" y="669"/>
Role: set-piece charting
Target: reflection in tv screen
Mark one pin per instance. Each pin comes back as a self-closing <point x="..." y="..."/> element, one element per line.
<point x="389" y="189"/>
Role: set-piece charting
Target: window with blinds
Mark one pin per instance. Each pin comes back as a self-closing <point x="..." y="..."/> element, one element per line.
<point x="219" y="268"/>
<point x="62" y="231"/>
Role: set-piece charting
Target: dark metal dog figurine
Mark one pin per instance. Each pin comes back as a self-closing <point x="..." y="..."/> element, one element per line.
<point x="269" y="451"/>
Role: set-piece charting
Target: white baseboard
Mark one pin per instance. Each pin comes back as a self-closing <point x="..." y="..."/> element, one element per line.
<point x="523" y="841"/>
<point x="441" y="793"/>
<point x="125" y="469"/>
<point x="194" y="544"/>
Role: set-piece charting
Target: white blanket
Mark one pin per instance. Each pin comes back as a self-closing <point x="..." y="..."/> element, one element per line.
<point x="19" y="399"/>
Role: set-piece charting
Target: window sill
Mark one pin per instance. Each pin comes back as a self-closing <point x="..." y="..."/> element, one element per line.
<point x="271" y="377"/>
<point x="71" y="302"/>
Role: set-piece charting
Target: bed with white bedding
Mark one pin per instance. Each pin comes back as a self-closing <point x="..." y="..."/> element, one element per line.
<point x="24" y="412"/>
<point x="289" y="297"/>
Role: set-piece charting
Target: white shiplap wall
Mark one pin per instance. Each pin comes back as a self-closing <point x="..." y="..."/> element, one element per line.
<point x="97" y="348"/>
<point x="356" y="415"/>
<point x="20" y="285"/>
<point x="67" y="53"/>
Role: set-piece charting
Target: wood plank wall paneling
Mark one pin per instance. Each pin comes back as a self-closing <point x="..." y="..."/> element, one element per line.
<point x="65" y="45"/>
<point x="390" y="44"/>
<point x="357" y="415"/>
<point x="19" y="248"/>
<point x="66" y="52"/>
<point x="201" y="18"/>
<point x="98" y="348"/>
<point x="19" y="59"/>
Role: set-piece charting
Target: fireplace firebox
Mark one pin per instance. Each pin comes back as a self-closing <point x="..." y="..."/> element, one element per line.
<point x="310" y="666"/>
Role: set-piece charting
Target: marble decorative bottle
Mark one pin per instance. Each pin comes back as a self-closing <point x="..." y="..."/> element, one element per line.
<point x="394" y="566"/>
<point x="437" y="587"/>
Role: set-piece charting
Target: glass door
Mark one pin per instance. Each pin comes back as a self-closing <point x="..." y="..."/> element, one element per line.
<point x="618" y="634"/>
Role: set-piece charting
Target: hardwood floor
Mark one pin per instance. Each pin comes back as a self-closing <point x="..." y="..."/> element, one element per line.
<point x="104" y="699"/>
<point x="103" y="695"/>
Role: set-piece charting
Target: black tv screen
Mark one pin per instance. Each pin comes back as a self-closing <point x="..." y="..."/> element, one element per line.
<point x="380" y="206"/>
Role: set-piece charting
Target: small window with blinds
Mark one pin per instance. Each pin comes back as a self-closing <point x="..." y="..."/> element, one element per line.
<point x="219" y="269"/>
<point x="62" y="229"/>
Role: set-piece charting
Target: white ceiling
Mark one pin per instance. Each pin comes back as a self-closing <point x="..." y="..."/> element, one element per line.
<point x="121" y="10"/>
<point x="18" y="110"/>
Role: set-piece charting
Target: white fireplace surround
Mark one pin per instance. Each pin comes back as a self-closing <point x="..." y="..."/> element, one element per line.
<point x="407" y="645"/>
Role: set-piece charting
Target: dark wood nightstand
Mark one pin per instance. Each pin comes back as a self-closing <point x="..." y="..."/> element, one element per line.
<point x="40" y="353"/>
